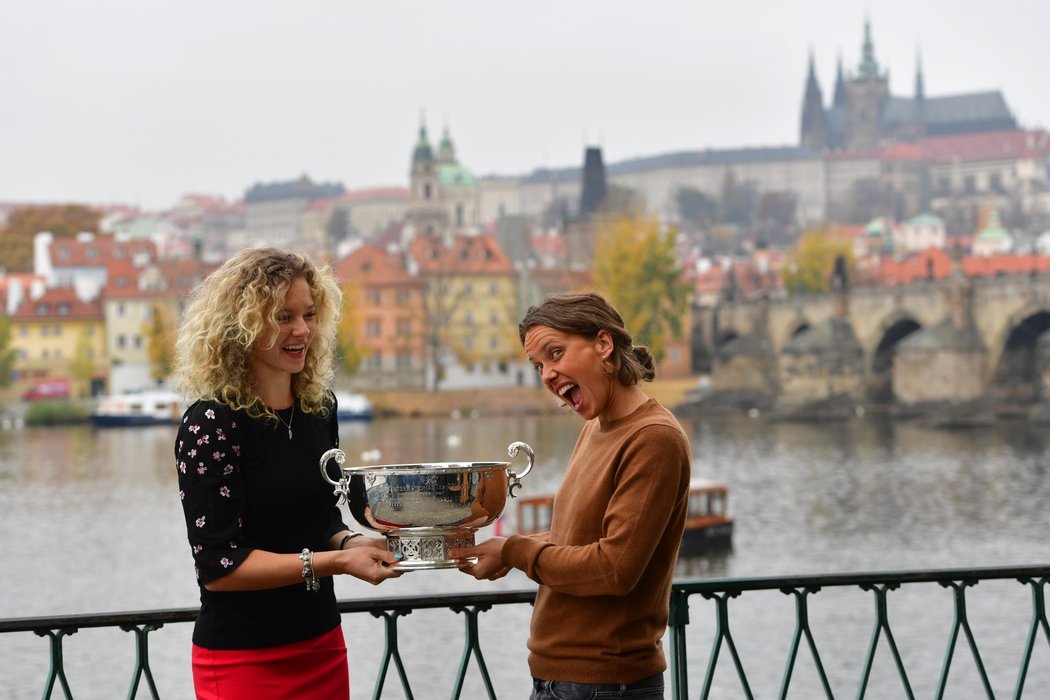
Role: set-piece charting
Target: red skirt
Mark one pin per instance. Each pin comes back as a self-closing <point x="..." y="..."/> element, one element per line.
<point x="315" y="669"/>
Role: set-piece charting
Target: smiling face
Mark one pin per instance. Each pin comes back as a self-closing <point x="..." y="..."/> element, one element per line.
<point x="282" y="352"/>
<point x="571" y="368"/>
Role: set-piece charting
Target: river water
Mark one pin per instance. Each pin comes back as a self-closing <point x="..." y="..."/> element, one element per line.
<point x="90" y="522"/>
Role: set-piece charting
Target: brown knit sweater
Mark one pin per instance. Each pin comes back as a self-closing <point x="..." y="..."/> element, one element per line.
<point x="605" y="568"/>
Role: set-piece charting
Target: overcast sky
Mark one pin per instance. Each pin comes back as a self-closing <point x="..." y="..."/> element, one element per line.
<point x="141" y="101"/>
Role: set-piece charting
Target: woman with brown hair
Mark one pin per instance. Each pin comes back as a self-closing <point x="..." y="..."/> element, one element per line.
<point x="606" y="565"/>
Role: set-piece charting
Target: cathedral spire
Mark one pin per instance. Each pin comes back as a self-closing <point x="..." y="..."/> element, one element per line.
<point x="839" y="97"/>
<point x="869" y="67"/>
<point x="814" y="128"/>
<point x="920" y="84"/>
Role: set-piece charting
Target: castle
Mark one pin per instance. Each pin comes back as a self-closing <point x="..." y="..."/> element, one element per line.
<point x="863" y="114"/>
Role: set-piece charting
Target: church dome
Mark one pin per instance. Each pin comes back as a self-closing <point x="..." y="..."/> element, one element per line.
<point x="455" y="175"/>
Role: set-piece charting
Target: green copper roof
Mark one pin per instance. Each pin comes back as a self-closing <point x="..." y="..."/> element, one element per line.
<point x="453" y="175"/>
<point x="877" y="227"/>
<point x="926" y="220"/>
<point x="869" y="67"/>
<point x="994" y="231"/>
<point x="423" y="150"/>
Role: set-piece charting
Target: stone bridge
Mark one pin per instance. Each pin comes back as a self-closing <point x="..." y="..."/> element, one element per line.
<point x="951" y="341"/>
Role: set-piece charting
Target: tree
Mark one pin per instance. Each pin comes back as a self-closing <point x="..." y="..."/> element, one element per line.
<point x="8" y="355"/>
<point x="814" y="260"/>
<point x="350" y="353"/>
<point x="635" y="267"/>
<point x="696" y="207"/>
<point x="64" y="221"/>
<point x="738" y="201"/>
<point x="160" y="342"/>
<point x="82" y="366"/>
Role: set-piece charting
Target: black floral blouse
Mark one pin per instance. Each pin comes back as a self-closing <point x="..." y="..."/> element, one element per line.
<point x="245" y="484"/>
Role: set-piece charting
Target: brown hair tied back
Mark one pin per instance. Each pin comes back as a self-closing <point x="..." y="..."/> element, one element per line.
<point x="586" y="314"/>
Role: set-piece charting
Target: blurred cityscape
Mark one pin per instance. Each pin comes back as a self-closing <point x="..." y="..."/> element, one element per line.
<point x="900" y="187"/>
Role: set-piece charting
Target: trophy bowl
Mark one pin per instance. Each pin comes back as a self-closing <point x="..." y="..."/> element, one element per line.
<point x="425" y="510"/>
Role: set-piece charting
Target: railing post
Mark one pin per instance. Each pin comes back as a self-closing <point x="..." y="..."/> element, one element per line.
<point x="1038" y="620"/>
<point x="882" y="622"/>
<point x="472" y="644"/>
<point x="961" y="620"/>
<point x="677" y="619"/>
<point x="723" y="633"/>
<point x="58" y="669"/>
<point x="391" y="651"/>
<point x="142" y="659"/>
<point x="802" y="627"/>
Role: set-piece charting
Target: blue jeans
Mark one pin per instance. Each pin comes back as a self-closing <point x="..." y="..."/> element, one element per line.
<point x="651" y="688"/>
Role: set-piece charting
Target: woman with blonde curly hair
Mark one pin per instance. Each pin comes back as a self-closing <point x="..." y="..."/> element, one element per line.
<point x="254" y="353"/>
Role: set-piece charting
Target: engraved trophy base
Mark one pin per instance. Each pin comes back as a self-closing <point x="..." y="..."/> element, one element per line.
<point x="429" y="547"/>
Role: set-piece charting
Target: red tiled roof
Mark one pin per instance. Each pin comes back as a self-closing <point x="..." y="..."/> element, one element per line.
<point x="98" y="251"/>
<point x="58" y="303"/>
<point x="467" y="255"/>
<point x="375" y="193"/>
<point x="374" y="265"/>
<point x="937" y="264"/>
<point x="989" y="146"/>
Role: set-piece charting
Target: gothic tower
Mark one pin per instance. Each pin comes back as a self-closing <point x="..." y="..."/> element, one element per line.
<point x="866" y="96"/>
<point x="814" y="129"/>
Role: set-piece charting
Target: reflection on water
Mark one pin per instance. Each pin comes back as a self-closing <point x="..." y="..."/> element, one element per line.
<point x="92" y="521"/>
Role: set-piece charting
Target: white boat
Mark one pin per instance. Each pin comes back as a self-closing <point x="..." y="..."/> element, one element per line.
<point x="139" y="408"/>
<point x="353" y="407"/>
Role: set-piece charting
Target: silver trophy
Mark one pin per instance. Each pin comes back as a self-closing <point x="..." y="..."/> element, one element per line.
<point x="426" y="510"/>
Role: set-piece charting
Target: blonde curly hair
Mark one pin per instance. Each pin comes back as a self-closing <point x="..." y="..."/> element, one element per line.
<point x="236" y="307"/>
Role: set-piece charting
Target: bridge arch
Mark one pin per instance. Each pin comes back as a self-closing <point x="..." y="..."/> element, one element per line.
<point x="1015" y="376"/>
<point x="880" y="370"/>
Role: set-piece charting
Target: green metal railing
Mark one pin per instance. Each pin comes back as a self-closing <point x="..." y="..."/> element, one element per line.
<point x="800" y="589"/>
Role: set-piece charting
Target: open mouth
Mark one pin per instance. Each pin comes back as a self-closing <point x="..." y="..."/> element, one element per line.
<point x="572" y="395"/>
<point x="294" y="349"/>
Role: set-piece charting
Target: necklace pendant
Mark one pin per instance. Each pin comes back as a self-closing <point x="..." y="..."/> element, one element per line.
<point x="289" y="432"/>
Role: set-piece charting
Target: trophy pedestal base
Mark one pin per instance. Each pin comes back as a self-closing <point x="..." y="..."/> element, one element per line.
<point x="429" y="547"/>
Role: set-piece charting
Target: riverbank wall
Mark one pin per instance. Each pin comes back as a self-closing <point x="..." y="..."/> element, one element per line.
<point x="521" y="400"/>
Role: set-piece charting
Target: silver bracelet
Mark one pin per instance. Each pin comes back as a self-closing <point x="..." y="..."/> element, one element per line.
<point x="308" y="575"/>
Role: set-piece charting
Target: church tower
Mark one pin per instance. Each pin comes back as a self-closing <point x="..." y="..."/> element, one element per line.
<point x="814" y="129"/>
<point x="866" y="96"/>
<point x="425" y="212"/>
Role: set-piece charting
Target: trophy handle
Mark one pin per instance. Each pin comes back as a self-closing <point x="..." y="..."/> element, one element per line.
<point x="341" y="486"/>
<point x="512" y="450"/>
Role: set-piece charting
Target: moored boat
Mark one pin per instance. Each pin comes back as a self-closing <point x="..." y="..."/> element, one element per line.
<point x="353" y="407"/>
<point x="137" y="409"/>
<point x="708" y="524"/>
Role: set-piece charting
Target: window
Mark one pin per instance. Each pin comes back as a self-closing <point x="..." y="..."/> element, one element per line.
<point x="138" y="342"/>
<point x="404" y="326"/>
<point x="374" y="361"/>
<point x="122" y="341"/>
<point x="374" y="296"/>
<point x="404" y="362"/>
<point x="402" y="297"/>
<point x="63" y="308"/>
<point x="120" y="309"/>
<point x="373" y="328"/>
<point x="969" y="184"/>
<point x="426" y="190"/>
<point x="494" y="342"/>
